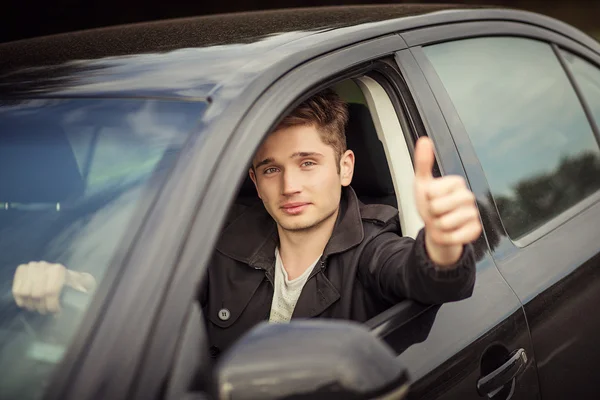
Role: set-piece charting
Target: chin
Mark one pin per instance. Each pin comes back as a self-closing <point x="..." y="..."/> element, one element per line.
<point x="300" y="224"/>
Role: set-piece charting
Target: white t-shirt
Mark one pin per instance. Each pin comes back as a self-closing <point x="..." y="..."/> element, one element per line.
<point x="287" y="291"/>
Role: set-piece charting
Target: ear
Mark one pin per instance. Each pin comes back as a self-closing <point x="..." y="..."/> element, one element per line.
<point x="253" y="177"/>
<point x="346" y="167"/>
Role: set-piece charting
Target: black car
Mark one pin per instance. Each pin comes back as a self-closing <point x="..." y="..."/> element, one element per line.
<point x="123" y="148"/>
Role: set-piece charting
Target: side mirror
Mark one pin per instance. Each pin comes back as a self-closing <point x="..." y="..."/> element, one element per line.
<point x="310" y="359"/>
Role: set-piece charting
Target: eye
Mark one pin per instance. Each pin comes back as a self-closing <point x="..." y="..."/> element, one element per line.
<point x="270" y="171"/>
<point x="308" y="164"/>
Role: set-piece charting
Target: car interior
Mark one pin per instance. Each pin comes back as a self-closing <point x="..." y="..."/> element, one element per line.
<point x="46" y="211"/>
<point x="32" y="192"/>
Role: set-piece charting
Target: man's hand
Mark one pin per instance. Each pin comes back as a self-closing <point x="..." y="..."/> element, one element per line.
<point x="37" y="286"/>
<point x="447" y="208"/>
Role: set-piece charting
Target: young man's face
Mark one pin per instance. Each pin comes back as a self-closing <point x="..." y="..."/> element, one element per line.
<point x="296" y="176"/>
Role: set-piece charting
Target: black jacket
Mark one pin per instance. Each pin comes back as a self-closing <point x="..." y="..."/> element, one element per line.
<point x="366" y="267"/>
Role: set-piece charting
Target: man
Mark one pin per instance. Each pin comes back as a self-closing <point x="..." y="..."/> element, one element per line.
<point x="311" y="249"/>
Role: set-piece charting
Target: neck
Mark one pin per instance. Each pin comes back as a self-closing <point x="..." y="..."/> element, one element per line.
<point x="299" y="249"/>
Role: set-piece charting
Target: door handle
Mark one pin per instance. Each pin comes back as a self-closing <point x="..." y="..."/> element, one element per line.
<point x="503" y="374"/>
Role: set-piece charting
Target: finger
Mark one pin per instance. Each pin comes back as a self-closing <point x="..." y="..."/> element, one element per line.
<point x="75" y="280"/>
<point x="17" y="288"/>
<point x="53" y="303"/>
<point x="464" y="235"/>
<point x="19" y="300"/>
<point x="456" y="219"/>
<point x="442" y="186"/>
<point x="28" y="303"/>
<point x="55" y="278"/>
<point x="25" y="288"/>
<point x="442" y="205"/>
<point x="424" y="159"/>
<point x="27" y="300"/>
<point x="37" y="276"/>
<point x="54" y="285"/>
<point x="40" y="305"/>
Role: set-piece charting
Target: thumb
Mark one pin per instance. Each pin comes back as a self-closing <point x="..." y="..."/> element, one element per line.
<point x="424" y="158"/>
<point x="77" y="281"/>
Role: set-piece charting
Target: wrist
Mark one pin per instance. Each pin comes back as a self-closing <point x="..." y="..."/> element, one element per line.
<point x="443" y="256"/>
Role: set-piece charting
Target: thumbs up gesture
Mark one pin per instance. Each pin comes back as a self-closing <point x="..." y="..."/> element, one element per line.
<point x="447" y="208"/>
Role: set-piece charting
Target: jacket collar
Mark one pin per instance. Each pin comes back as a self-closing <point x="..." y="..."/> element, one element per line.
<point x="252" y="237"/>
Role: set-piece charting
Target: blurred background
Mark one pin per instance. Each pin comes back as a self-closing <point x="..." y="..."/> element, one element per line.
<point x="23" y="19"/>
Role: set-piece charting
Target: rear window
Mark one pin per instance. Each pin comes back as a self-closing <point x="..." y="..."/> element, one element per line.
<point x="73" y="172"/>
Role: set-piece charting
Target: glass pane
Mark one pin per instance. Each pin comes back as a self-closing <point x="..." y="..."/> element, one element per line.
<point x="587" y="76"/>
<point x="72" y="174"/>
<point x="526" y="124"/>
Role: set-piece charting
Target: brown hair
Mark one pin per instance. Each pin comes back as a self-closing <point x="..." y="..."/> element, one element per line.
<point x="328" y="113"/>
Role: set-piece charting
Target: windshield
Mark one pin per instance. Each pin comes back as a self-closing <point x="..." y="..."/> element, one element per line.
<point x="72" y="174"/>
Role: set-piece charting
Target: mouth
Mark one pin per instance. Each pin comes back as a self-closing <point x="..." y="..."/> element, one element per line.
<point x="294" y="208"/>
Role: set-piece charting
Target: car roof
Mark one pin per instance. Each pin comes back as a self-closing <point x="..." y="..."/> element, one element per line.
<point x="191" y="58"/>
<point x="202" y="31"/>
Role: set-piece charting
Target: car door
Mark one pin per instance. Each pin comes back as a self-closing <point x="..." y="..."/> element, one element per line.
<point x="453" y="349"/>
<point x="522" y="104"/>
<point x="187" y="371"/>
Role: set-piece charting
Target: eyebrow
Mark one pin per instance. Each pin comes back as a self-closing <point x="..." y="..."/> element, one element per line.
<point x="264" y="162"/>
<point x="306" y="154"/>
<point x="297" y="154"/>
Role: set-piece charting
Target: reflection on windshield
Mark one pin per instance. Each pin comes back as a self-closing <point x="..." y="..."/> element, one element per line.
<point x="72" y="175"/>
<point x="526" y="124"/>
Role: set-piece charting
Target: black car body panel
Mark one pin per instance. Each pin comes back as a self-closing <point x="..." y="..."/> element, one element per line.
<point x="251" y="68"/>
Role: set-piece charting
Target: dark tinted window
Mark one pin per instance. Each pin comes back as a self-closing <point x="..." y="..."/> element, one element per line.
<point x="72" y="175"/>
<point x="526" y="124"/>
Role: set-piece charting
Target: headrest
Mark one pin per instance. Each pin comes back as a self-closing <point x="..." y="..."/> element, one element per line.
<point x="37" y="164"/>
<point x="372" y="176"/>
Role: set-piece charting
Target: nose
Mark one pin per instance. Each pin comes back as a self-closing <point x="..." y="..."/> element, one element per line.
<point x="291" y="183"/>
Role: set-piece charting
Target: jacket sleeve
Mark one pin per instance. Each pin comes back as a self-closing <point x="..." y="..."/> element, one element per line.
<point x="398" y="268"/>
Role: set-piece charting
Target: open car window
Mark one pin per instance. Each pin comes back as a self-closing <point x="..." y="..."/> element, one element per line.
<point x="72" y="174"/>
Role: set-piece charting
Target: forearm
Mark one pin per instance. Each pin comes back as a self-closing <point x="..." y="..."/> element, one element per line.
<point x="398" y="268"/>
<point x="432" y="283"/>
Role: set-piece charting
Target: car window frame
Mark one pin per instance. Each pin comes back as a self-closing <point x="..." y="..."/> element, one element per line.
<point x="387" y="123"/>
<point x="446" y="33"/>
<point x="594" y="60"/>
